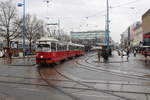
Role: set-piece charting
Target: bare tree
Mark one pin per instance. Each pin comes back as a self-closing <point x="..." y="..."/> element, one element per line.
<point x="9" y="22"/>
<point x="34" y="29"/>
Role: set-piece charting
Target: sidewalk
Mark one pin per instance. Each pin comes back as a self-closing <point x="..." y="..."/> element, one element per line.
<point x="136" y="64"/>
<point x="19" y="61"/>
<point x="28" y="56"/>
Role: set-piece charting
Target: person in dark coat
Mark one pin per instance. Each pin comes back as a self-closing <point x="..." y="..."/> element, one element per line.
<point x="99" y="55"/>
<point x="134" y="52"/>
<point x="105" y="55"/>
<point x="128" y="52"/>
<point x="145" y="55"/>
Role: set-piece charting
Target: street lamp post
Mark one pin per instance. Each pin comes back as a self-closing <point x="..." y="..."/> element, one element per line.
<point x="23" y="27"/>
<point x="107" y="24"/>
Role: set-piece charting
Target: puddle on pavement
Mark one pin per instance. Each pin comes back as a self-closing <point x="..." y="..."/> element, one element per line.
<point x="146" y="76"/>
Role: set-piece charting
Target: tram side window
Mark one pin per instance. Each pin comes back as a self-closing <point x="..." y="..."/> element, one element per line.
<point x="76" y="48"/>
<point x="83" y="48"/>
<point x="53" y="47"/>
<point x="79" y="48"/>
<point x="61" y="47"/>
<point x="58" y="47"/>
<point x="65" y="47"/>
<point x="71" y="47"/>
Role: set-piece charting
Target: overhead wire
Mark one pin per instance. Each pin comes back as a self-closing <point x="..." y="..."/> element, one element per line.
<point x="112" y="7"/>
<point x="100" y="12"/>
<point x="124" y="4"/>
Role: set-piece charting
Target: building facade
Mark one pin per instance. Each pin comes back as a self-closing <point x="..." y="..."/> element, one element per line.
<point x="125" y="38"/>
<point x="146" y="28"/>
<point x="88" y="37"/>
<point x="136" y="34"/>
<point x="132" y="36"/>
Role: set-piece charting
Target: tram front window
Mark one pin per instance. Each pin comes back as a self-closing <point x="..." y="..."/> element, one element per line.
<point x="43" y="47"/>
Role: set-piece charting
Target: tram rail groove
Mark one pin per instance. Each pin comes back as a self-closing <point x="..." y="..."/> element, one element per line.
<point x="57" y="88"/>
<point x="95" y="89"/>
<point x="83" y="81"/>
<point x="25" y="65"/>
<point x="70" y="87"/>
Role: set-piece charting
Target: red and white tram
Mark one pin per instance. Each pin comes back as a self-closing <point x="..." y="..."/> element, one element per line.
<point x="50" y="50"/>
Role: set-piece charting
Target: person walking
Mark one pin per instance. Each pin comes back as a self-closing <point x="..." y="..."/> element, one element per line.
<point x="128" y="52"/>
<point x="99" y="55"/>
<point x="145" y="55"/>
<point x="105" y="55"/>
<point x="134" y="52"/>
<point x="122" y="53"/>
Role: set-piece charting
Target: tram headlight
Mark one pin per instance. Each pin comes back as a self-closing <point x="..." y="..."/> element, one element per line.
<point x="41" y="56"/>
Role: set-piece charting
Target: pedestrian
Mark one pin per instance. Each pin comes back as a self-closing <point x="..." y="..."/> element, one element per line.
<point x="122" y="54"/>
<point x="110" y="52"/>
<point x="105" y="55"/>
<point x="128" y="52"/>
<point x="145" y="55"/>
<point x="134" y="52"/>
<point x="118" y="52"/>
<point x="99" y="55"/>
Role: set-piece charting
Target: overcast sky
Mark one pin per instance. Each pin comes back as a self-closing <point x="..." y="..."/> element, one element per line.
<point x="88" y="14"/>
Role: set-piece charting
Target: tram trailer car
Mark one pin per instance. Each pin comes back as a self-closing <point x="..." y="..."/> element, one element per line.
<point x="50" y="50"/>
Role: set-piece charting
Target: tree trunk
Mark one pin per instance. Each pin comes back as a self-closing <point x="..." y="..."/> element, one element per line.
<point x="8" y="43"/>
<point x="30" y="49"/>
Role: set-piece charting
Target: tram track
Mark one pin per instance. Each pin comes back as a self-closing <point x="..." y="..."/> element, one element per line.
<point x="108" y="92"/>
<point x="57" y="88"/>
<point x="83" y="81"/>
<point x="69" y="87"/>
<point x="80" y="82"/>
<point x="87" y="67"/>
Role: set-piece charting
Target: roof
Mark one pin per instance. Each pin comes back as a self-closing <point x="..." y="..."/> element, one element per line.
<point x="49" y="39"/>
<point x="96" y="31"/>
<point x="80" y="45"/>
<point x="146" y="13"/>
